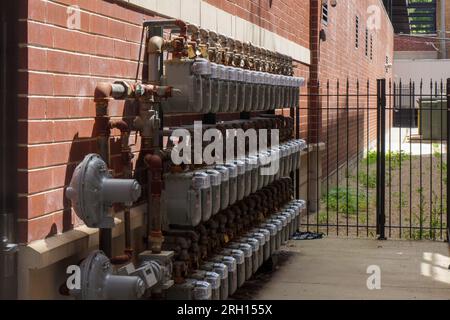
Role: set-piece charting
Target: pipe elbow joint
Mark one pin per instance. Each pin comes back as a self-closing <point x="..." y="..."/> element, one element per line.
<point x="154" y="162"/>
<point x="155" y="45"/>
<point x="121" y="125"/>
<point x="183" y="27"/>
<point x="103" y="90"/>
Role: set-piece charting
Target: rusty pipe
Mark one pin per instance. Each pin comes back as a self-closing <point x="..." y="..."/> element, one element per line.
<point x="120" y="125"/>
<point x="155" y="185"/>
<point x="103" y="92"/>
<point x="147" y="91"/>
<point x="127" y="170"/>
<point x="180" y="44"/>
<point x="116" y="90"/>
<point x="190" y="234"/>
<point x="183" y="27"/>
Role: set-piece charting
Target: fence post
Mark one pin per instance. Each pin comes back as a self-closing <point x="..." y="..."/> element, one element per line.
<point x="448" y="157"/>
<point x="297" y="136"/>
<point x="381" y="158"/>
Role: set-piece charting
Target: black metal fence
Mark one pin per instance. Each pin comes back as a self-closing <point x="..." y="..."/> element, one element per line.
<point x="379" y="167"/>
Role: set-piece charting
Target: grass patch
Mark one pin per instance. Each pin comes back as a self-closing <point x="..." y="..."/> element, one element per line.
<point x="396" y="158"/>
<point x="400" y="200"/>
<point x="344" y="200"/>
<point x="367" y="180"/>
<point x="371" y="158"/>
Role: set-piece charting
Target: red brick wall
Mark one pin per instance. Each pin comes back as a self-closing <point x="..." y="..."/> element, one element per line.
<point x="59" y="69"/>
<point x="287" y="18"/>
<point x="339" y="60"/>
<point x="408" y="43"/>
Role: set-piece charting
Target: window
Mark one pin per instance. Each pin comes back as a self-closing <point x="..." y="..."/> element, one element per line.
<point x="325" y="12"/>
<point x="371" y="47"/>
<point x="367" y="42"/>
<point x="357" y="33"/>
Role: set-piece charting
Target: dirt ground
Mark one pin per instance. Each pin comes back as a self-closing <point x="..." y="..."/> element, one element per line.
<point x="416" y="188"/>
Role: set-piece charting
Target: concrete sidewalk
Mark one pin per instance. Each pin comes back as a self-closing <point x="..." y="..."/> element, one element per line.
<point x="336" y="268"/>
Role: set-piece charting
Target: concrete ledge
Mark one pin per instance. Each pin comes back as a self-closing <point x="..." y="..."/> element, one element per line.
<point x="42" y="253"/>
<point x="42" y="264"/>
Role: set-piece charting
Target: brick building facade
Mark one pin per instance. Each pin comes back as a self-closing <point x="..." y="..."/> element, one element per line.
<point x="59" y="66"/>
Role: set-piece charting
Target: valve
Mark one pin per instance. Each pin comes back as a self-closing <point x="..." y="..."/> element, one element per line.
<point x="98" y="282"/>
<point x="204" y="42"/>
<point x="93" y="190"/>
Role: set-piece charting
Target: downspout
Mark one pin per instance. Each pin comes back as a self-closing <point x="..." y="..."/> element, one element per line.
<point x="8" y="188"/>
<point x="314" y="116"/>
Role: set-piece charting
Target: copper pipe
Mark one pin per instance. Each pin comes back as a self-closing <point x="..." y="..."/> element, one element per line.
<point x="116" y="90"/>
<point x="121" y="125"/>
<point x="180" y="44"/>
<point x="121" y="259"/>
<point x="103" y="90"/>
<point x="155" y="183"/>
<point x="183" y="28"/>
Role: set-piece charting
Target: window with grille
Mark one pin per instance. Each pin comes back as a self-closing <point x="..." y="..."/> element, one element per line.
<point x="357" y="33"/>
<point x="325" y="13"/>
<point x="371" y="47"/>
<point x="367" y="42"/>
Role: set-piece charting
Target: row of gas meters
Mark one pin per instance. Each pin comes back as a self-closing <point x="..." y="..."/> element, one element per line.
<point x="205" y="87"/>
<point x="193" y="197"/>
<point x="217" y="278"/>
<point x="222" y="274"/>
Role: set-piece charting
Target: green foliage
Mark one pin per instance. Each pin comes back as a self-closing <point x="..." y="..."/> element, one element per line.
<point x="396" y="158"/>
<point x="400" y="200"/>
<point x="437" y="151"/>
<point x="367" y="180"/>
<point x="371" y="158"/>
<point x="443" y="167"/>
<point x="342" y="200"/>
